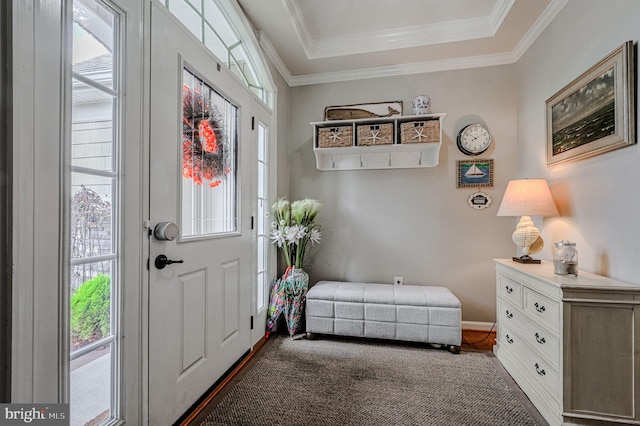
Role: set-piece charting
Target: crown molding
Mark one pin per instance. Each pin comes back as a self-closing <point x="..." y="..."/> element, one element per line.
<point x="401" y="38"/>
<point x="298" y="22"/>
<point x="426" y="66"/>
<point x="273" y="56"/>
<point x="404" y="69"/>
<point x="395" y="38"/>
<point x="547" y="16"/>
<point x="499" y="12"/>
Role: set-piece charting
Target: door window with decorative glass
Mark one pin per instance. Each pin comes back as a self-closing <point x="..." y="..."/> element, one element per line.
<point x="209" y="160"/>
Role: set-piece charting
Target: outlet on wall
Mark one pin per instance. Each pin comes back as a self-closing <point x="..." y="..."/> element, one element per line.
<point x="397" y="280"/>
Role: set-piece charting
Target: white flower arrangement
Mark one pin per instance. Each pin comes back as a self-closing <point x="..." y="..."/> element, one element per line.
<point x="294" y="228"/>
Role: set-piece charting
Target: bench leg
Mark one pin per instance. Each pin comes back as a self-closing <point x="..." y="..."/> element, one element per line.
<point x="454" y="349"/>
<point x="310" y="336"/>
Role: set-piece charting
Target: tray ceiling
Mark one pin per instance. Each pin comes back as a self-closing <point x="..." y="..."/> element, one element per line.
<point x="312" y="41"/>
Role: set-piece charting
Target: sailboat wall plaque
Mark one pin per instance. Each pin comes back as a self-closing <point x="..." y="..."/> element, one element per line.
<point x="475" y="173"/>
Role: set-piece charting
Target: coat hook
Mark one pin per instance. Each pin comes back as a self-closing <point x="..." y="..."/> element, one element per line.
<point x="389" y="159"/>
<point x="333" y="163"/>
<point x="360" y="160"/>
<point x="420" y="161"/>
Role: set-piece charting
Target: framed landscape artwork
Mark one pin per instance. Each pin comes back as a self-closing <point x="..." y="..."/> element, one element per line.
<point x="595" y="113"/>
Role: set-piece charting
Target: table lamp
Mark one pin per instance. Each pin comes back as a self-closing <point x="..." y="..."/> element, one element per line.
<point x="525" y="198"/>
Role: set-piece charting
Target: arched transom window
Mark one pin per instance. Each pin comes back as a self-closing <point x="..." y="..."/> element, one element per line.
<point x="220" y="27"/>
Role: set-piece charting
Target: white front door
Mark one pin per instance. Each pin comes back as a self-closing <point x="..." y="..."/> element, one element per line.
<point x="200" y="180"/>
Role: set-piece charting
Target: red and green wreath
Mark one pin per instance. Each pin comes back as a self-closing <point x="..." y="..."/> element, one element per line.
<point x="204" y="153"/>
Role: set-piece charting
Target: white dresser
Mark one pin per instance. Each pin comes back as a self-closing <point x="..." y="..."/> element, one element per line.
<point x="571" y="343"/>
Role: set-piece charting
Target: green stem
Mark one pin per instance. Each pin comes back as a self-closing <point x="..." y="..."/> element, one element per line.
<point x="298" y="255"/>
<point x="285" y="250"/>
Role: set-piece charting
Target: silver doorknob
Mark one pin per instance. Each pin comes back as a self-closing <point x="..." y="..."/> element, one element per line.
<point x="162" y="261"/>
<point x="166" y="231"/>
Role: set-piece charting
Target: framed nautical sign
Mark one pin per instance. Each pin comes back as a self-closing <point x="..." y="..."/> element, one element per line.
<point x="475" y="173"/>
<point x="479" y="200"/>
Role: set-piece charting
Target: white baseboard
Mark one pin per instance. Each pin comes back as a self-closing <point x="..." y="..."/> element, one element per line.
<point x="477" y="325"/>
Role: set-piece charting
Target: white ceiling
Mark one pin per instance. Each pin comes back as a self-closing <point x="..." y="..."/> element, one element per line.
<point x="317" y="41"/>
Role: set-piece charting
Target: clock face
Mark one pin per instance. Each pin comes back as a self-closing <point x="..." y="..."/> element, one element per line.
<point x="474" y="139"/>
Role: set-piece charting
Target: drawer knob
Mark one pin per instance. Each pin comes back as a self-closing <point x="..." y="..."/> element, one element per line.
<point x="539" y="308"/>
<point x="509" y="314"/>
<point x="508" y="289"/>
<point x="540" y="340"/>
<point x="539" y="371"/>
<point x="509" y="339"/>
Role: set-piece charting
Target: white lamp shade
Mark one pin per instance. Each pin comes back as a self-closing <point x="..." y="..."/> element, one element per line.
<point x="527" y="197"/>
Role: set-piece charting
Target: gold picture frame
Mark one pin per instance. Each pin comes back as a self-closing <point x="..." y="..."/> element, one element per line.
<point x="595" y="113"/>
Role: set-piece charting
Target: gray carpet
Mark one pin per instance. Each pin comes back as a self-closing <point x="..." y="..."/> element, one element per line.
<point x="333" y="381"/>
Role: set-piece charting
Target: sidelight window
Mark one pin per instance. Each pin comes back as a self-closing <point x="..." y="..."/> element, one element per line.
<point x="94" y="214"/>
<point x="263" y="218"/>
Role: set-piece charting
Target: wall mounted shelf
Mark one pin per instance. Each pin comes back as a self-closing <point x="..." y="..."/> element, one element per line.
<point x="378" y="143"/>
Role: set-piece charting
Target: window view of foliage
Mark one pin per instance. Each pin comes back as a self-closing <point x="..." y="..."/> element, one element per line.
<point x="90" y="281"/>
<point x="90" y="307"/>
<point x="90" y="234"/>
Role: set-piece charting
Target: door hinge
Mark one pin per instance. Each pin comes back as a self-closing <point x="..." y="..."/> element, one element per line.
<point x="253" y="123"/>
<point x="147" y="263"/>
<point x="252" y="322"/>
<point x="251" y="222"/>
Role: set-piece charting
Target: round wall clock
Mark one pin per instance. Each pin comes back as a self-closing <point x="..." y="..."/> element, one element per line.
<point x="474" y="139"/>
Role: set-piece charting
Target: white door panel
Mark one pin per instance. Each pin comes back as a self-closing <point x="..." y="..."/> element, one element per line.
<point x="199" y="310"/>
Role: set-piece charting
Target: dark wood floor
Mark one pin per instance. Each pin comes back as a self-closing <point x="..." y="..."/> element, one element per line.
<point x="478" y="339"/>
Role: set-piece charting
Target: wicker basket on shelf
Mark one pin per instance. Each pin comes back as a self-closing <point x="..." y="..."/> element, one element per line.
<point x="334" y="137"/>
<point x="420" y="131"/>
<point x="374" y="134"/>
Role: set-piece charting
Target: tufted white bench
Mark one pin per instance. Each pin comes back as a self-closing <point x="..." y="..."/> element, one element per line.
<point x="411" y="313"/>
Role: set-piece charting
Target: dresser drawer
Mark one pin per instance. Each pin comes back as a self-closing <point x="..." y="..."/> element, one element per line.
<point x="536" y="367"/>
<point x="541" y="308"/>
<point x="509" y="314"/>
<point x="510" y="290"/>
<point x="508" y="338"/>
<point x="542" y="372"/>
<point x="537" y="336"/>
<point x="543" y="342"/>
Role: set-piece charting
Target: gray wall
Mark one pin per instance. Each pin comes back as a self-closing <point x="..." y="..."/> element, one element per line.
<point x="283" y="129"/>
<point x="413" y="223"/>
<point x="598" y="197"/>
